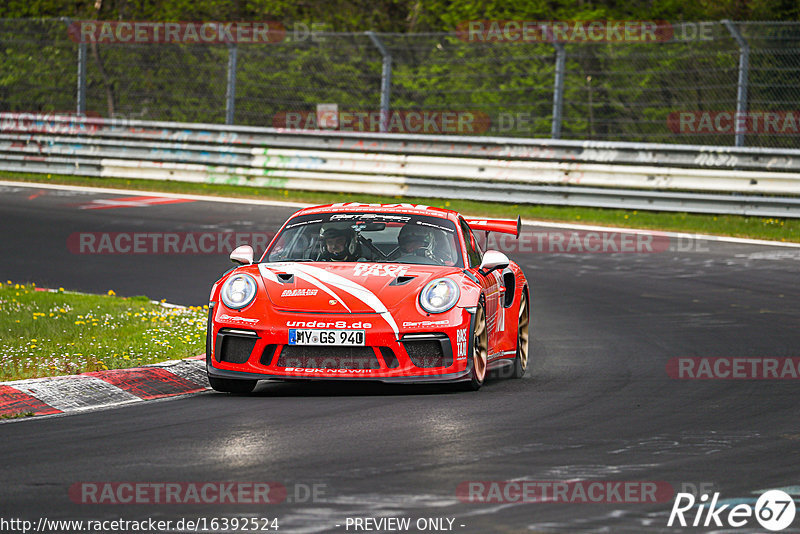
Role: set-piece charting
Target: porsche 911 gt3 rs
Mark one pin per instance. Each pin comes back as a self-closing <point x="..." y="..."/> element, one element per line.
<point x="385" y="292"/>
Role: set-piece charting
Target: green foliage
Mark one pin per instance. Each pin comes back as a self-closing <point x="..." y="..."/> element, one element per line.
<point x="402" y="15"/>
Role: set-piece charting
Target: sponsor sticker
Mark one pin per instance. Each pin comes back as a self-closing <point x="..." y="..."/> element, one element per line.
<point x="233" y="319"/>
<point x="379" y="269"/>
<point x="461" y="344"/>
<point x="329" y="324"/>
<point x="426" y="324"/>
<point x="311" y="370"/>
<point x="299" y="292"/>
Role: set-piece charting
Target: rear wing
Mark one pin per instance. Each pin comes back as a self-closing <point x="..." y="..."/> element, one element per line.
<point x="496" y="225"/>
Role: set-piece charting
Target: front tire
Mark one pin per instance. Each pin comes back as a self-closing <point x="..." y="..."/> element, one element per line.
<point x="227" y="385"/>
<point x="523" y="326"/>
<point x="480" y="350"/>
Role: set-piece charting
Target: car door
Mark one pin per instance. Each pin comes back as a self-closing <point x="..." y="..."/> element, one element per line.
<point x="491" y="285"/>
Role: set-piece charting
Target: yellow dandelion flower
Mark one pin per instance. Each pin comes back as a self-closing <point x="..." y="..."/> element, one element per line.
<point x="111" y="292"/>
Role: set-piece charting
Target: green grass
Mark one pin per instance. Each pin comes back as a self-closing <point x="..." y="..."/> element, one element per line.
<point x="50" y="333"/>
<point x="731" y="225"/>
<point x="19" y="415"/>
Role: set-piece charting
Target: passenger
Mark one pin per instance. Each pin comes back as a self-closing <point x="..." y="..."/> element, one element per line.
<point x="417" y="241"/>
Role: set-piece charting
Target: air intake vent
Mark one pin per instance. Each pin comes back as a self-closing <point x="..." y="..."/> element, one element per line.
<point x="429" y="351"/>
<point x="401" y="280"/>
<point x="235" y="349"/>
<point x="389" y="358"/>
<point x="267" y="355"/>
<point x="328" y="357"/>
<point x="286" y="278"/>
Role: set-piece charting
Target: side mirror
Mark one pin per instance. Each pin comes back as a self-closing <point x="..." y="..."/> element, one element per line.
<point x="242" y="255"/>
<point x="493" y="260"/>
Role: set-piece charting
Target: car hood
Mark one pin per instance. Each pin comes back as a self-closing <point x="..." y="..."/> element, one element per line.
<point x="346" y="287"/>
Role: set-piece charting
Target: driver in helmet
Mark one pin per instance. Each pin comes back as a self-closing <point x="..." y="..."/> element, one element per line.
<point x="416" y="240"/>
<point x="338" y="244"/>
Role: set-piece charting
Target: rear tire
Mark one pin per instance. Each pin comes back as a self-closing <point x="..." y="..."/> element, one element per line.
<point x="227" y="385"/>
<point x="523" y="324"/>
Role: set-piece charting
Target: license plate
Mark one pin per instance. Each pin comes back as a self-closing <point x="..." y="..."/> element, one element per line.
<point x="299" y="336"/>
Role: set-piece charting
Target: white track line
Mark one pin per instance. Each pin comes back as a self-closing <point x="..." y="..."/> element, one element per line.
<point x="530" y="222"/>
<point x="87" y="189"/>
<point x="682" y="235"/>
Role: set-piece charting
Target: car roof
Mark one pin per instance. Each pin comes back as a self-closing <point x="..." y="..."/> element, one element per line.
<point x="412" y="209"/>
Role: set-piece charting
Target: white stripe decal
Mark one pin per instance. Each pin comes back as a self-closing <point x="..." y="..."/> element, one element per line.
<point x="303" y="276"/>
<point x="358" y="291"/>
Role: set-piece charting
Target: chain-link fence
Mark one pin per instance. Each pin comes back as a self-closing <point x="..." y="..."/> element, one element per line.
<point x="685" y="88"/>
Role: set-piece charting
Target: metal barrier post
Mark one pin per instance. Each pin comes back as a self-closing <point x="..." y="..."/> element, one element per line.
<point x="558" y="91"/>
<point x="230" y="92"/>
<point x="741" y="92"/>
<point x="82" y="54"/>
<point x="386" y="80"/>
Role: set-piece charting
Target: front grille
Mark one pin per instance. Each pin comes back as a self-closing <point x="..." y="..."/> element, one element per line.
<point x="235" y="349"/>
<point x="427" y="353"/>
<point x="316" y="357"/>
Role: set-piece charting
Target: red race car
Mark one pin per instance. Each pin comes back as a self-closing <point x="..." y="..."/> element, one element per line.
<point x="387" y="292"/>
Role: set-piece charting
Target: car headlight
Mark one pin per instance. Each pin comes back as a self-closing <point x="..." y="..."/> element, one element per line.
<point x="238" y="291"/>
<point x="439" y="295"/>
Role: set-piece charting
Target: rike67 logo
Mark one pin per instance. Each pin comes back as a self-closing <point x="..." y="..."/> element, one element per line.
<point x="774" y="510"/>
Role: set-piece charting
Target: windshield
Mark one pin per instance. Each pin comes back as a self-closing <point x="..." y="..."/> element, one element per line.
<point x="373" y="237"/>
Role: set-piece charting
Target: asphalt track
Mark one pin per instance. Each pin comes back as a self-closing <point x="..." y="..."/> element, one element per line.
<point x="596" y="404"/>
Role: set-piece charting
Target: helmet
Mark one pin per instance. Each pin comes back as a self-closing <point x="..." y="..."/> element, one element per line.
<point x="411" y="233"/>
<point x="349" y="245"/>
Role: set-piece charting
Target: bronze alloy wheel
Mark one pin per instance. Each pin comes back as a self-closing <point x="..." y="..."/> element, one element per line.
<point x="523" y="325"/>
<point x="480" y="348"/>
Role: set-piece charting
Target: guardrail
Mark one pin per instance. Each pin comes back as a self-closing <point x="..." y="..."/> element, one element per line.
<point x="746" y="181"/>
